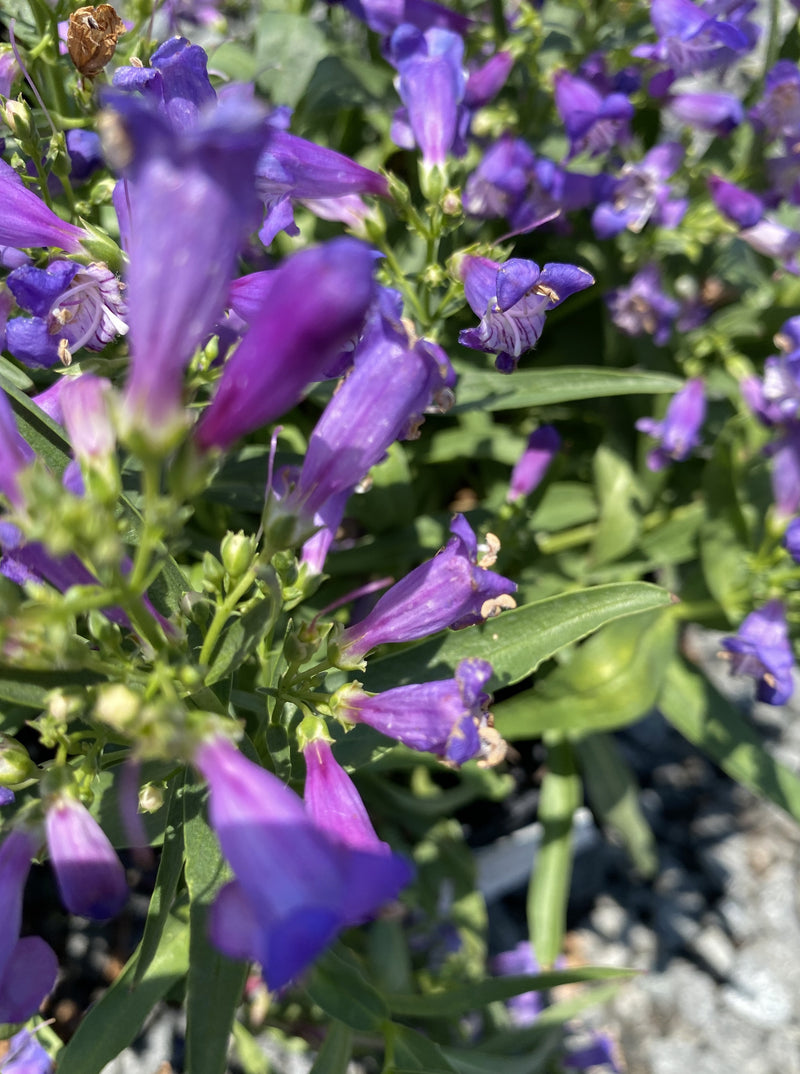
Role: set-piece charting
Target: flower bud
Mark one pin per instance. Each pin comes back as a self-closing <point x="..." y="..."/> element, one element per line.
<point x="15" y="765"/>
<point x="237" y="553"/>
<point x="119" y="707"/>
<point x="151" y="798"/>
<point x="213" y="573"/>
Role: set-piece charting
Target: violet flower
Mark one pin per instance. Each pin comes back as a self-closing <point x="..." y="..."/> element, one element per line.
<point x="333" y="802"/>
<point x="690" y="40"/>
<point x="679" y="433"/>
<point x="716" y="113"/>
<point x="526" y="1007"/>
<point x="511" y="299"/>
<point x="778" y="112"/>
<point x="384" y="16"/>
<point x="172" y="181"/>
<point x="292" y="168"/>
<point x="642" y="308"/>
<point x="176" y="82"/>
<point x="594" y="123"/>
<point x="597" y="1052"/>
<point x="90" y="876"/>
<point x="761" y="649"/>
<point x="785" y="470"/>
<point x="642" y="193"/>
<point x="7" y="796"/>
<point x="453" y="589"/>
<point x="791" y="539"/>
<point x="25" y="220"/>
<point x="431" y="83"/>
<point x="444" y="718"/>
<point x="740" y="206"/>
<point x="25" y="1056"/>
<point x="383" y="399"/>
<point x="543" y="445"/>
<point x="74" y="306"/>
<point x="296" y="886"/>
<point x="316" y="302"/>
<point x="773" y="239"/>
<point x="28" y="966"/>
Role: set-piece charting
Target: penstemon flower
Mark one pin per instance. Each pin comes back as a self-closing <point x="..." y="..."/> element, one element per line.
<point x="761" y="649"/>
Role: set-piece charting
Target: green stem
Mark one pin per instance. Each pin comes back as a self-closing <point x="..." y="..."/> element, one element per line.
<point x="223" y="613"/>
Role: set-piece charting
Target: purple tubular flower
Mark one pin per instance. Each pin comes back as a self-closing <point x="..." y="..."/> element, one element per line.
<point x="90" y="876"/>
<point x="291" y="168"/>
<point x="761" y="649"/>
<point x="791" y="539"/>
<point x="741" y="206"/>
<point x="679" y="433"/>
<point x="511" y="299"/>
<point x="690" y="40"/>
<point x="594" y="124"/>
<point x="9" y="72"/>
<point x="314" y="306"/>
<point x="642" y="307"/>
<point x="487" y="80"/>
<point x="6" y="796"/>
<point x="641" y="193"/>
<point x="431" y="84"/>
<point x="382" y="400"/>
<point x="451" y="590"/>
<point x="25" y="1056"/>
<point x="527" y="1006"/>
<point x="778" y="112"/>
<point x="28" y="966"/>
<point x="333" y="802"/>
<point x="717" y="113"/>
<point x="543" y="445"/>
<point x="74" y="306"/>
<point x="15" y="453"/>
<point x="598" y="1052"/>
<point x="384" y="16"/>
<point x="773" y="239"/>
<point x="785" y="472"/>
<point x="26" y="221"/>
<point x="296" y="886"/>
<point x="176" y="80"/>
<point x="444" y="717"/>
<point x="85" y="154"/>
<point x="173" y="180"/>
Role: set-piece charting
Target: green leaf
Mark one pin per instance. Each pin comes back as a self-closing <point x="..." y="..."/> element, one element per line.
<point x="714" y="725"/>
<point x="725" y="542"/>
<point x="611" y="680"/>
<point x="30" y="688"/>
<point x="483" y="389"/>
<point x="552" y="869"/>
<point x="169" y="871"/>
<point x="252" y="1057"/>
<point x="215" y="982"/>
<point x="614" y="795"/>
<point x="339" y="987"/>
<point x="475" y="1061"/>
<point x="414" y="1052"/>
<point x="288" y="48"/>
<point x="114" y="1021"/>
<point x="336" y="1051"/>
<point x="619" y="524"/>
<point x="564" y="504"/>
<point x="455" y="1001"/>
<point x="241" y="638"/>
<point x="516" y="642"/>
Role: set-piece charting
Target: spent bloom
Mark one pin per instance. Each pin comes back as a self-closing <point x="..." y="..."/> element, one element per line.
<point x="445" y="717"/>
<point x="454" y="589"/>
<point x="296" y="884"/>
<point x="511" y="300"/>
<point x="90" y="876"/>
<point x="761" y="648"/>
<point x="679" y="433"/>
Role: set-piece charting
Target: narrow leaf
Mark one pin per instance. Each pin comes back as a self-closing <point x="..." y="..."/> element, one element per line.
<point x="339" y="986"/>
<point x="337" y="1048"/>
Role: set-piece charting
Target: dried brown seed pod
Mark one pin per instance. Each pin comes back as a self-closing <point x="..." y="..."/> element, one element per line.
<point x="92" y="37"/>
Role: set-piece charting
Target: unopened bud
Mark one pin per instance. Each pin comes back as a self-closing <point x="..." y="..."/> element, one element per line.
<point x="17" y="115"/>
<point x="151" y="798"/>
<point x="15" y="765"/>
<point x="119" y="707"/>
<point x="213" y="573"/>
<point x="237" y="553"/>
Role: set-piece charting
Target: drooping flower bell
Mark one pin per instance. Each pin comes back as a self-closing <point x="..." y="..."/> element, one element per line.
<point x="445" y="717"/>
<point x="761" y="649"/>
<point x="296" y="885"/>
<point x="28" y="966"/>
<point x="543" y="445"/>
<point x="511" y="299"/>
<point x="454" y="589"/>
<point x="679" y="433"/>
<point x="90" y="876"/>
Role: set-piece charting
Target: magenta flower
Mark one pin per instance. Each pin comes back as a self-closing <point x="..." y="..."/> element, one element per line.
<point x="511" y="299"/>
<point x="679" y="433"/>
<point x="28" y="966"/>
<point x="543" y="445"/>
<point x="451" y="590"/>
<point x="761" y="649"/>
<point x="296" y="885"/>
<point x="90" y="876"/>
<point x="445" y="718"/>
